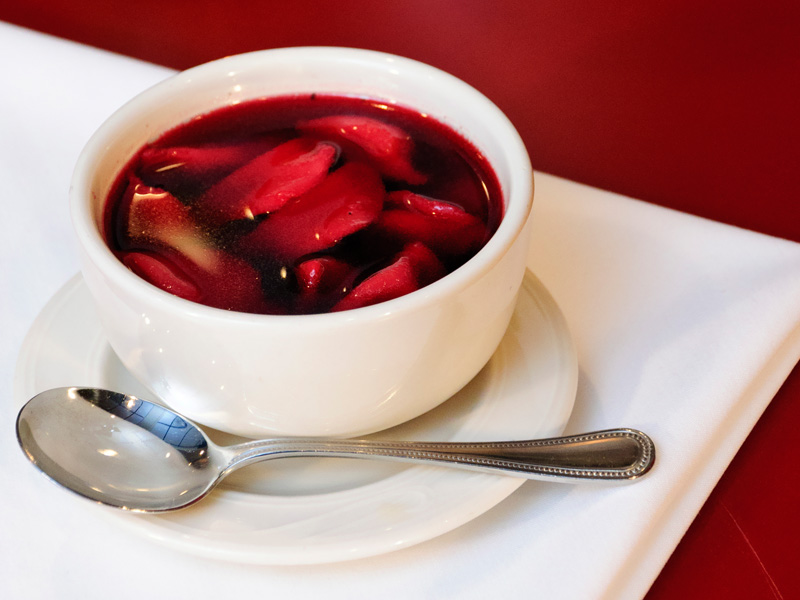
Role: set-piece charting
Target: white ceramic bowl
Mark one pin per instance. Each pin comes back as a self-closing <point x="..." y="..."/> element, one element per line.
<point x="339" y="374"/>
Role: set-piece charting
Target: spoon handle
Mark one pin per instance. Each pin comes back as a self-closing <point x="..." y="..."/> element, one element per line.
<point x="613" y="454"/>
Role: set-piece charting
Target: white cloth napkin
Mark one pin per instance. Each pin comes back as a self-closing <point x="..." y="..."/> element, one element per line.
<point x="685" y="329"/>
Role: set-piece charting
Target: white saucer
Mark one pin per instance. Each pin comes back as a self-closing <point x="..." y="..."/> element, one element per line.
<point x="305" y="511"/>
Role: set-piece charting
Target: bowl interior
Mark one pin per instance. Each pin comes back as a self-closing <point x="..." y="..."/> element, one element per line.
<point x="281" y="72"/>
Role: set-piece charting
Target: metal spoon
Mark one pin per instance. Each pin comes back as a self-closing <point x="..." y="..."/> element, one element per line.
<point x="136" y="455"/>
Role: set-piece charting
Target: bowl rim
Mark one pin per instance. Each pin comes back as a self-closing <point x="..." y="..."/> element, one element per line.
<point x="513" y="222"/>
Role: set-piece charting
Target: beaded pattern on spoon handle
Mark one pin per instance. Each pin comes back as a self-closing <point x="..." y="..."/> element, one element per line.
<point x="580" y="457"/>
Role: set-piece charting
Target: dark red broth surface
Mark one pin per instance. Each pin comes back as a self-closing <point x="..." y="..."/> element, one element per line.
<point x="302" y="204"/>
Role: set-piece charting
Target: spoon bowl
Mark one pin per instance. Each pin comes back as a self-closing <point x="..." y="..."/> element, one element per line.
<point x="137" y="455"/>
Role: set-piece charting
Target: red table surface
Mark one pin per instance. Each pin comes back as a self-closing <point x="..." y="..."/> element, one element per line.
<point x="685" y="104"/>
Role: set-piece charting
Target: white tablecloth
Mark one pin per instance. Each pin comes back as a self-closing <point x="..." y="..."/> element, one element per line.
<point x="685" y="329"/>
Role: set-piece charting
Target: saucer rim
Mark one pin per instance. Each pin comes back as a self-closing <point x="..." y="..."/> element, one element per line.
<point x="483" y="491"/>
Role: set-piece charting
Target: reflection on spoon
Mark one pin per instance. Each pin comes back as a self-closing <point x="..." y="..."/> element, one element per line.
<point x="137" y="455"/>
